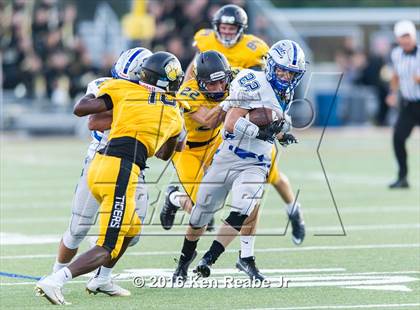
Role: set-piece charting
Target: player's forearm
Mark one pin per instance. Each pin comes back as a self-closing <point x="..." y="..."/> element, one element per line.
<point x="88" y="104"/>
<point x="209" y="118"/>
<point x="100" y="121"/>
<point x="215" y="117"/>
<point x="167" y="149"/>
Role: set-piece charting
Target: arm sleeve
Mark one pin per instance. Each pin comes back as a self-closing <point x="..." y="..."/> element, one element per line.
<point x="108" y="101"/>
<point x="110" y="94"/>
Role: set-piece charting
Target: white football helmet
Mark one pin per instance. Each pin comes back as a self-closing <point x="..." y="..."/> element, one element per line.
<point x="288" y="56"/>
<point x="129" y="64"/>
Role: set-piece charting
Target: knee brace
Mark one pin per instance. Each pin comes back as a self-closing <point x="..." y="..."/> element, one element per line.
<point x="236" y="220"/>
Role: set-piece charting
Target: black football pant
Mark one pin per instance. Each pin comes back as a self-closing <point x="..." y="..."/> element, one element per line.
<point x="408" y="118"/>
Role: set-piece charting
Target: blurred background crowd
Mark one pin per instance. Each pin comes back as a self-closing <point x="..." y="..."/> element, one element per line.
<point x="44" y="55"/>
<point x="51" y="49"/>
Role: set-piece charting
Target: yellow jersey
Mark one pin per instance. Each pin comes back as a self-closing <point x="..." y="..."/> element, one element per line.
<point x="248" y="52"/>
<point x="151" y="117"/>
<point x="189" y="92"/>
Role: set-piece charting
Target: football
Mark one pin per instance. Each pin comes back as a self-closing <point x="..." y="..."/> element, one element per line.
<point x="262" y="116"/>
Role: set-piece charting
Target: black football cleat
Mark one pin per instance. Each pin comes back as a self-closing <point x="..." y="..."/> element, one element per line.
<point x="203" y="267"/>
<point x="167" y="214"/>
<point x="298" y="226"/>
<point x="247" y="265"/>
<point x="400" y="183"/>
<point x="181" y="271"/>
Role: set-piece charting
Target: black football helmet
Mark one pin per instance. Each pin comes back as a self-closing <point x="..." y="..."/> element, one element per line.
<point x="211" y="66"/>
<point x="163" y="70"/>
<point x="233" y="15"/>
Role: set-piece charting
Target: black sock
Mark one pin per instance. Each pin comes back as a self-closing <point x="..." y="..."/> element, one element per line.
<point x="188" y="248"/>
<point x="215" y="251"/>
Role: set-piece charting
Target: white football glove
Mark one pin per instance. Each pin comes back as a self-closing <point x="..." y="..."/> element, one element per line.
<point x="182" y="136"/>
<point x="287" y="123"/>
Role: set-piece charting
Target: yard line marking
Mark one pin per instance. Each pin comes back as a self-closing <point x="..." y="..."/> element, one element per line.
<point x="308" y="211"/>
<point x="267" y="250"/>
<point x="342" y="307"/>
<point x="318" y="229"/>
<point x="348" y="228"/>
<point x="350" y="210"/>
<point x="21" y="239"/>
<point x="394" y="282"/>
<point x="34" y="220"/>
<point x="277" y="278"/>
<point x="401" y="288"/>
<point x="71" y="282"/>
<point x="219" y="271"/>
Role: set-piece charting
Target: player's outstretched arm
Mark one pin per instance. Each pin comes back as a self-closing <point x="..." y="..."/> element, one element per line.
<point x="100" y="121"/>
<point x="209" y="118"/>
<point x="88" y="104"/>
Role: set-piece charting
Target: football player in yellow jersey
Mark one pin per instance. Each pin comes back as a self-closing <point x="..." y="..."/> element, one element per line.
<point x="146" y="121"/>
<point x="246" y="51"/>
<point x="203" y="94"/>
<point x="228" y="37"/>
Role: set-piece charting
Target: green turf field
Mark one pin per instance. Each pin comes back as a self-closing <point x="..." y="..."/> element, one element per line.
<point x="375" y="265"/>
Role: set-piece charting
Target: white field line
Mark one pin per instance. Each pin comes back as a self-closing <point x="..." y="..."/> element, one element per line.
<point x="401" y="288"/>
<point x="267" y="250"/>
<point x="278" y="211"/>
<point x="23" y="239"/>
<point x="312" y="229"/>
<point x="367" y="306"/>
<point x="322" y="229"/>
<point x="393" y="283"/>
<point x="347" y="210"/>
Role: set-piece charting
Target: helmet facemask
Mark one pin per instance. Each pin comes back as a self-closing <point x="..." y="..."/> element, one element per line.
<point x="232" y="15"/>
<point x="225" y="41"/>
<point x="285" y="67"/>
<point x="277" y="76"/>
<point x="217" y="76"/>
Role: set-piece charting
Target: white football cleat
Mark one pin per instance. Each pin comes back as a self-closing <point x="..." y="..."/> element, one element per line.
<point x="106" y="286"/>
<point x="51" y="291"/>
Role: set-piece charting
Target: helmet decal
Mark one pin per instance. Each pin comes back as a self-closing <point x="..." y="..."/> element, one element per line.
<point x="129" y="63"/>
<point x="286" y="56"/>
<point x="173" y="70"/>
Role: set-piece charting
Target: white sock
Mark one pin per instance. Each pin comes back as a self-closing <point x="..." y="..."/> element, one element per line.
<point x="104" y="272"/>
<point x="247" y="246"/>
<point x="174" y="198"/>
<point x="62" y="276"/>
<point x="57" y="266"/>
<point x="292" y="207"/>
